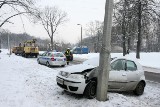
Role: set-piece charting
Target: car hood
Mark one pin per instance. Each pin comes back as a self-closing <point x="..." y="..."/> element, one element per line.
<point x="77" y="68"/>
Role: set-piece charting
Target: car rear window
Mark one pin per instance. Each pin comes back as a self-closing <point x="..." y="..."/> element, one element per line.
<point x="57" y="54"/>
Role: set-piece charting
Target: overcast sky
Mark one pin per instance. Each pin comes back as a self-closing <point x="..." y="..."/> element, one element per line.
<point x="78" y="11"/>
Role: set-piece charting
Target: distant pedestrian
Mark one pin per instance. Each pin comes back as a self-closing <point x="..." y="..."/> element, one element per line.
<point x="68" y="55"/>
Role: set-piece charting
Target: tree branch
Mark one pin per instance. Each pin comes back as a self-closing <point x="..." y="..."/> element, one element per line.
<point x="11" y="17"/>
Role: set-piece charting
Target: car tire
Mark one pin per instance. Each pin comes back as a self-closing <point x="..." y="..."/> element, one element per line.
<point x="25" y="55"/>
<point x="139" y="89"/>
<point x="39" y="61"/>
<point x="90" y="90"/>
<point x="36" y="56"/>
<point x="47" y="64"/>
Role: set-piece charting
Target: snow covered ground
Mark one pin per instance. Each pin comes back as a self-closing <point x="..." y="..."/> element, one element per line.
<point x="24" y="83"/>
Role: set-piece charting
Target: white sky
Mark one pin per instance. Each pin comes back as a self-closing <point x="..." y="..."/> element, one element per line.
<point x="79" y="11"/>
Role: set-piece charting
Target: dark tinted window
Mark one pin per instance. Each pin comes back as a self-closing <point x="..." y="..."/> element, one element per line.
<point x="118" y="65"/>
<point x="44" y="54"/>
<point x="57" y="55"/>
<point x="49" y="54"/>
<point x="131" y="66"/>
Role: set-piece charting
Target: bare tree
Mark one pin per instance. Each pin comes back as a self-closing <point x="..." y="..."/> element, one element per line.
<point x="137" y="20"/>
<point x="51" y="18"/>
<point x="94" y="28"/>
<point x="139" y="29"/>
<point x="124" y="27"/>
<point x="147" y="11"/>
<point x="19" y="7"/>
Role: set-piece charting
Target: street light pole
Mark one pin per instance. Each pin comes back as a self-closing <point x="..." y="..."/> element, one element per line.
<point x="81" y="37"/>
<point x="9" y="47"/>
<point x="0" y="43"/>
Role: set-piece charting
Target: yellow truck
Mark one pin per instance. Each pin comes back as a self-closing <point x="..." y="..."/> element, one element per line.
<point x="14" y="49"/>
<point x="30" y="48"/>
<point x="17" y="50"/>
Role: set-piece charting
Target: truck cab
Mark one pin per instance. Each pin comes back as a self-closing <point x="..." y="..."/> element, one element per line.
<point x="30" y="48"/>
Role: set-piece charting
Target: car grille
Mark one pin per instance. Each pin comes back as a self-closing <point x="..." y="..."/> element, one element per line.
<point x="73" y="88"/>
<point x="62" y="86"/>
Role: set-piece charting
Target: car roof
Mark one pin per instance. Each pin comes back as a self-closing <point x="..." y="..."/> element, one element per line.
<point x="55" y="52"/>
<point x="95" y="61"/>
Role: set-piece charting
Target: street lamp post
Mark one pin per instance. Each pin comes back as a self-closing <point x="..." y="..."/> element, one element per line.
<point x="9" y="45"/>
<point x="81" y="37"/>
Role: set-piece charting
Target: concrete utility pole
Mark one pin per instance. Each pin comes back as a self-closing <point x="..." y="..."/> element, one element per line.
<point x="104" y="65"/>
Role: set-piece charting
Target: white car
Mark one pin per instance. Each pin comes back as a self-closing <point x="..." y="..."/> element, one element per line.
<point x="125" y="75"/>
<point x="52" y="59"/>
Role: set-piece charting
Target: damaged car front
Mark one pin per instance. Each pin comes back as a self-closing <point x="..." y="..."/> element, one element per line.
<point x="125" y="75"/>
<point x="74" y="78"/>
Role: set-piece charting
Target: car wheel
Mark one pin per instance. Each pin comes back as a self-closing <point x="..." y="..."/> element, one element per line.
<point x="36" y="56"/>
<point x="26" y="56"/>
<point x="39" y="61"/>
<point x="47" y="64"/>
<point x="139" y="88"/>
<point x="90" y="90"/>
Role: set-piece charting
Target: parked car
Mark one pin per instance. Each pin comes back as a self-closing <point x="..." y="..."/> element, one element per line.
<point x="125" y="75"/>
<point x="52" y="59"/>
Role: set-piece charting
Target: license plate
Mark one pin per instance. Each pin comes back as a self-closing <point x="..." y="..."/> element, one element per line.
<point x="60" y="81"/>
<point x="59" y="59"/>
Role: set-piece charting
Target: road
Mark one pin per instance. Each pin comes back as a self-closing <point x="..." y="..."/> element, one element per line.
<point x="152" y="74"/>
<point x="149" y="72"/>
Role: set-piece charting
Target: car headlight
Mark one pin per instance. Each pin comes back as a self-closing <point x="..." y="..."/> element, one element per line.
<point x="76" y="76"/>
<point x="64" y="74"/>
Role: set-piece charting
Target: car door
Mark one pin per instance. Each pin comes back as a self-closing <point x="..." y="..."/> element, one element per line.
<point x="42" y="59"/>
<point x="46" y="58"/>
<point x="133" y="74"/>
<point x="117" y="75"/>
